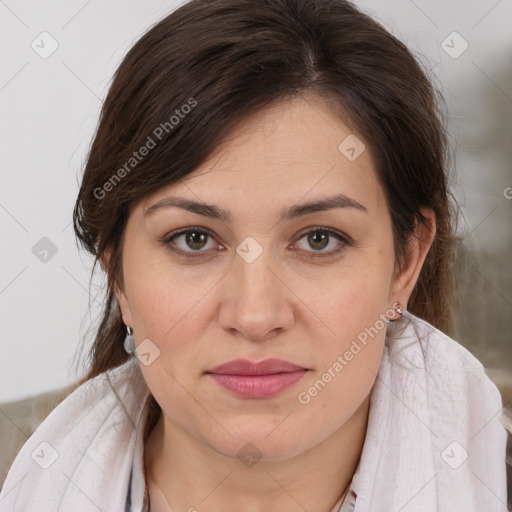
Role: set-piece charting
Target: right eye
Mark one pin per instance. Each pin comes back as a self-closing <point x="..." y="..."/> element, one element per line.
<point x="188" y="242"/>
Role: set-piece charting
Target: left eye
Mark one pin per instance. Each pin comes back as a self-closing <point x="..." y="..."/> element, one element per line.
<point x="320" y="238"/>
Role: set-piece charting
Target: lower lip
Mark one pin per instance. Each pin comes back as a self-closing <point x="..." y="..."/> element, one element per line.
<point x="258" y="386"/>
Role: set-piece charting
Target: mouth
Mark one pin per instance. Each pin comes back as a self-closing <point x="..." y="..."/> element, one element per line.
<point x="264" y="379"/>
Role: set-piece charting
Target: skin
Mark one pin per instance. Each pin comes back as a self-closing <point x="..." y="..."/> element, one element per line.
<point x="204" y="311"/>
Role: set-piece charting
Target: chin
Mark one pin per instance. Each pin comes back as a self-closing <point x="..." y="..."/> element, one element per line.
<point x="252" y="444"/>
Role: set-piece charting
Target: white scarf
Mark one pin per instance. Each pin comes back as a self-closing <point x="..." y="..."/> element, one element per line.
<point x="432" y="404"/>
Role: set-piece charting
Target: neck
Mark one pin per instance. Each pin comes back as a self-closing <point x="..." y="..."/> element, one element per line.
<point x="183" y="474"/>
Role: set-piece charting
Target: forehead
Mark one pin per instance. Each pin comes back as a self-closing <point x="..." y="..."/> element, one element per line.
<point x="293" y="149"/>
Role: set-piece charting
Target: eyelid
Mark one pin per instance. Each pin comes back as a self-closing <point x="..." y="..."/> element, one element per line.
<point x="330" y="231"/>
<point x="166" y="241"/>
<point x="343" y="238"/>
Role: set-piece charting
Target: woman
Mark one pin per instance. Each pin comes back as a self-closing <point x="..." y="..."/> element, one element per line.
<point x="267" y="193"/>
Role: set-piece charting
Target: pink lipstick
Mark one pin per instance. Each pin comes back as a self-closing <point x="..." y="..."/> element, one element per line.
<point x="257" y="380"/>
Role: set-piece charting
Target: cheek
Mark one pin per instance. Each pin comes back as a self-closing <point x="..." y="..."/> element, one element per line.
<point x="165" y="301"/>
<point x="347" y="361"/>
<point x="348" y="352"/>
<point x="351" y="301"/>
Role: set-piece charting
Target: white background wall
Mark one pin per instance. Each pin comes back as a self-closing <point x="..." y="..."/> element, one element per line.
<point x="49" y="109"/>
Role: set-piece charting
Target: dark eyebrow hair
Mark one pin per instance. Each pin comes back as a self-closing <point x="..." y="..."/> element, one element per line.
<point x="210" y="210"/>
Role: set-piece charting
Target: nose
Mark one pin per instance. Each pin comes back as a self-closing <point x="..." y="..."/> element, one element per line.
<point x="257" y="304"/>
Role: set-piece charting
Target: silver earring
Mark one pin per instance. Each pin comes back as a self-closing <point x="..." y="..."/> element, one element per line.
<point x="129" y="341"/>
<point x="399" y="309"/>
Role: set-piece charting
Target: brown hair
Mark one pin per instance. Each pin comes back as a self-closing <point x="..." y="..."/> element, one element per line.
<point x="210" y="64"/>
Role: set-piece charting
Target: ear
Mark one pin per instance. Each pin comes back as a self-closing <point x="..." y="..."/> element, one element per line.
<point x="406" y="278"/>
<point x="120" y="295"/>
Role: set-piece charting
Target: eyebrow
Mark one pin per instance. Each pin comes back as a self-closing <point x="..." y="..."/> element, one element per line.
<point x="211" y="210"/>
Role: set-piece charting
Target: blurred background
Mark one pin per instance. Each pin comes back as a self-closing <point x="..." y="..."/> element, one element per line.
<point x="56" y="64"/>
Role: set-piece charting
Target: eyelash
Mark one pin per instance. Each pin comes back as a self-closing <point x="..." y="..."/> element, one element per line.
<point x="343" y="239"/>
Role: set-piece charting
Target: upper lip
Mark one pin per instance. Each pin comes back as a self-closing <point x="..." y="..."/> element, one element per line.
<point x="247" y="367"/>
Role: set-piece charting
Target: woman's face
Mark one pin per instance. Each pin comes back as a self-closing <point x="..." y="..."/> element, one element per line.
<point x="259" y="277"/>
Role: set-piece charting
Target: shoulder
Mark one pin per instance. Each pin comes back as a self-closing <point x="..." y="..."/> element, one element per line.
<point x="462" y="403"/>
<point x="441" y="356"/>
<point x="450" y="372"/>
<point x="438" y="347"/>
<point x="91" y="432"/>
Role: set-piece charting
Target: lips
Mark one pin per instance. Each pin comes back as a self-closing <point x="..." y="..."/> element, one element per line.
<point x="249" y="379"/>
<point x="246" y="367"/>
